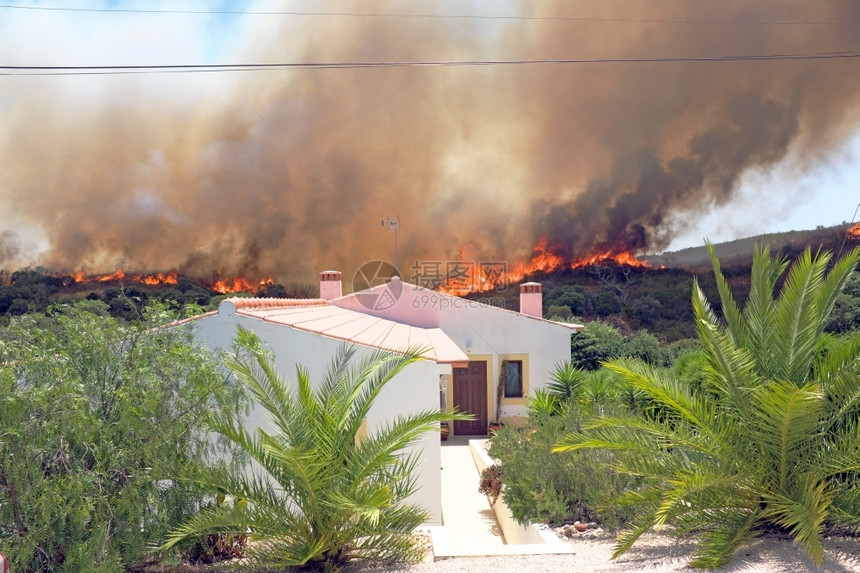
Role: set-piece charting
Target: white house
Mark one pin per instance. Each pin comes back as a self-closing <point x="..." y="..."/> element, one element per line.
<point x="473" y="352"/>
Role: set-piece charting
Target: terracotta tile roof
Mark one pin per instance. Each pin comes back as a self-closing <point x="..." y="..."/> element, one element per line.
<point x="416" y="291"/>
<point x="317" y="316"/>
<point x="257" y="303"/>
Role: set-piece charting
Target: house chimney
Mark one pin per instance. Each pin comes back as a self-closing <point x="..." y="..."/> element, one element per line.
<point x="531" y="299"/>
<point x="330" y="285"/>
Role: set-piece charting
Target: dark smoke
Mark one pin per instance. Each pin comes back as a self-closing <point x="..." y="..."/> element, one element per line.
<point x="288" y="173"/>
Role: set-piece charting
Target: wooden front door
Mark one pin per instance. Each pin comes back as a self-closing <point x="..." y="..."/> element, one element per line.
<point x="470" y="396"/>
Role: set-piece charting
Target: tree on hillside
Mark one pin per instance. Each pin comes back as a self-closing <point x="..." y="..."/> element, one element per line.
<point x="846" y="311"/>
<point x="768" y="438"/>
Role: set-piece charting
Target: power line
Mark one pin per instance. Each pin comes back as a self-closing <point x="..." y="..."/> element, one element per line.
<point x="197" y="68"/>
<point x="437" y="16"/>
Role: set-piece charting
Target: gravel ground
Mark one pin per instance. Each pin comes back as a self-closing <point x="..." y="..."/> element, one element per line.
<point x="652" y="552"/>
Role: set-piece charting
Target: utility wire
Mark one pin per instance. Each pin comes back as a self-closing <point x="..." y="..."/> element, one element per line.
<point x="436" y="16"/>
<point x="192" y="68"/>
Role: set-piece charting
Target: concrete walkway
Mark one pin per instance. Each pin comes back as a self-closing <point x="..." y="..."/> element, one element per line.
<point x="469" y="522"/>
<point x="470" y="526"/>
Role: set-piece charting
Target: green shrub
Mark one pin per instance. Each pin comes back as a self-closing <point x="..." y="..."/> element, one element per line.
<point x="554" y="488"/>
<point x="96" y="418"/>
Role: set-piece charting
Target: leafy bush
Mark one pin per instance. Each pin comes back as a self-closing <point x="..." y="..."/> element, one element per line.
<point x="601" y="341"/>
<point x="558" y="312"/>
<point x="96" y="419"/>
<point x="554" y="488"/>
<point x="491" y="483"/>
<point x="598" y="342"/>
<point x="846" y="311"/>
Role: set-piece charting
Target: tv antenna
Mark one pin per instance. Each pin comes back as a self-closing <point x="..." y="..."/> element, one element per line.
<point x="392" y="223"/>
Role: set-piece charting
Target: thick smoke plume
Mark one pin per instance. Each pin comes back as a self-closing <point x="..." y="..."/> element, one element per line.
<point x="285" y="173"/>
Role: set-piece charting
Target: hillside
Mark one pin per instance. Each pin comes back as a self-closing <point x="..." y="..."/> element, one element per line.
<point x="655" y="298"/>
<point x="658" y="299"/>
<point x="739" y="252"/>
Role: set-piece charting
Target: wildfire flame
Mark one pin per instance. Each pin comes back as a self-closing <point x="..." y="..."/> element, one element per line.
<point x="618" y="258"/>
<point x="222" y="285"/>
<point x="854" y="232"/>
<point x="169" y="278"/>
<point x="239" y="284"/>
<point x="472" y="277"/>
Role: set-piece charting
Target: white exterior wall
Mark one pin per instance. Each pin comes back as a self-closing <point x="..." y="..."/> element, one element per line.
<point x="415" y="389"/>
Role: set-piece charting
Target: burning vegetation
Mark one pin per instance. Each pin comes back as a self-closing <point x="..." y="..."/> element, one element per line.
<point x="221" y="285"/>
<point x="544" y="259"/>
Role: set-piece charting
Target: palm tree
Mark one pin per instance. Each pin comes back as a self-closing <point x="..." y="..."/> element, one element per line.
<point x="770" y="440"/>
<point x="321" y="493"/>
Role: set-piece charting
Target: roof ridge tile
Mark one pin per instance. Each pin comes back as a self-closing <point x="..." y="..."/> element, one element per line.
<point x="274" y="303"/>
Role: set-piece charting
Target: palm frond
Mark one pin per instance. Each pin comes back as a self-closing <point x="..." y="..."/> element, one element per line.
<point x="797" y="319"/>
<point x="650" y="447"/>
<point x="845" y="509"/>
<point x="566" y="380"/>
<point x="640" y="524"/>
<point x="734" y="319"/>
<point x="730" y="370"/>
<point x="837" y="372"/>
<point x="376" y="370"/>
<point x="803" y="513"/>
<point x="674" y="398"/>
<point x="760" y="308"/>
<point x="381" y="448"/>
<point x="717" y="545"/>
<point x="786" y="420"/>
<point x="257" y="372"/>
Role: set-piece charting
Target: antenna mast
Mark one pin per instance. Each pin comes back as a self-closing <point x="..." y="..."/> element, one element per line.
<point x="392" y="223"/>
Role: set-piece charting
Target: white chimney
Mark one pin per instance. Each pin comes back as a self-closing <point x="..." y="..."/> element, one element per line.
<point x="331" y="285"/>
<point x="531" y="299"/>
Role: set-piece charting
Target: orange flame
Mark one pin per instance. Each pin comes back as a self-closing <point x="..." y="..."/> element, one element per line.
<point x="240" y="284"/>
<point x="161" y="279"/>
<point x="854" y="232"/>
<point x="120" y="275"/>
<point x="468" y="276"/>
<point x="222" y="286"/>
<point x="541" y="260"/>
<point x="234" y="284"/>
<point x="619" y="258"/>
<point x="472" y="276"/>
